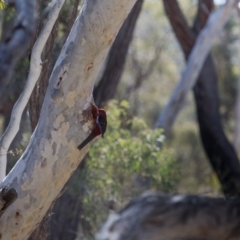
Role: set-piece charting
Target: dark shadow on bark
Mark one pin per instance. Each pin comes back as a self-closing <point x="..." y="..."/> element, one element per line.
<point x="218" y="149"/>
<point x="66" y="214"/>
<point x="107" y="86"/>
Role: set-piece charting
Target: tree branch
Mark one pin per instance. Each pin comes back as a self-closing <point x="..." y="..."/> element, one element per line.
<point x="160" y="217"/>
<point x="72" y="17"/>
<point x="219" y="151"/>
<point x="43" y="232"/>
<point x="38" y="93"/>
<point x="65" y="119"/>
<point x="179" y="24"/>
<point x="204" y="42"/>
<point x="221" y="154"/>
<point x="35" y="70"/>
<point x="17" y="42"/>
<point x="107" y="85"/>
<point x="63" y="225"/>
<point x="205" y="8"/>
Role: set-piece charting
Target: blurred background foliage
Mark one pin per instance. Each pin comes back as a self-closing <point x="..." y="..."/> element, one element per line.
<point x="133" y="157"/>
<point x="128" y="161"/>
<point x="2" y="4"/>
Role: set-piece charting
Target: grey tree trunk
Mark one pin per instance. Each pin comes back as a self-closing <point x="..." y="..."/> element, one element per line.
<point x="65" y="119"/>
<point x="67" y="210"/>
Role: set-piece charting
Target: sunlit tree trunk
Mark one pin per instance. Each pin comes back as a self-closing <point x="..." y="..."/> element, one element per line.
<point x="52" y="154"/>
<point x="66" y="215"/>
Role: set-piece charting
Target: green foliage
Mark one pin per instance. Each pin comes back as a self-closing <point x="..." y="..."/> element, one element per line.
<point x="128" y="161"/>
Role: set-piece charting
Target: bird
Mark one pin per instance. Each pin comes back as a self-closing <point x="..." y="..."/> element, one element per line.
<point x="100" y="125"/>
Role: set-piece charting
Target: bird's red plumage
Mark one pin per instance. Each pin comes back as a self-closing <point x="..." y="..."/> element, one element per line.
<point x="100" y="125"/>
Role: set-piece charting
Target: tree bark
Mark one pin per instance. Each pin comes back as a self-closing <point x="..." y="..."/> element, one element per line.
<point x="15" y="45"/>
<point x="107" y="86"/>
<point x="160" y="217"/>
<point x="218" y="149"/>
<point x="65" y="225"/>
<point x="38" y="94"/>
<point x="65" y="217"/>
<point x="220" y="152"/>
<point x="42" y="232"/>
<point x="65" y="119"/>
<point x="12" y="49"/>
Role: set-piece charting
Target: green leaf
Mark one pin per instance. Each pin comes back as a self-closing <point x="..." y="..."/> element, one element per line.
<point x="126" y="163"/>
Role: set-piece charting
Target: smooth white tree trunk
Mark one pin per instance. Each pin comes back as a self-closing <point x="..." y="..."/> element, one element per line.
<point x="65" y="120"/>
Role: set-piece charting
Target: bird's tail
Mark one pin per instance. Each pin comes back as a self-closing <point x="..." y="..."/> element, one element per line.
<point x="86" y="141"/>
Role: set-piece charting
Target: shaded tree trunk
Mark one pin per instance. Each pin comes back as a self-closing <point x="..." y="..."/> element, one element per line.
<point x="65" y="217"/>
<point x="107" y="86"/>
<point x="218" y="149"/>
